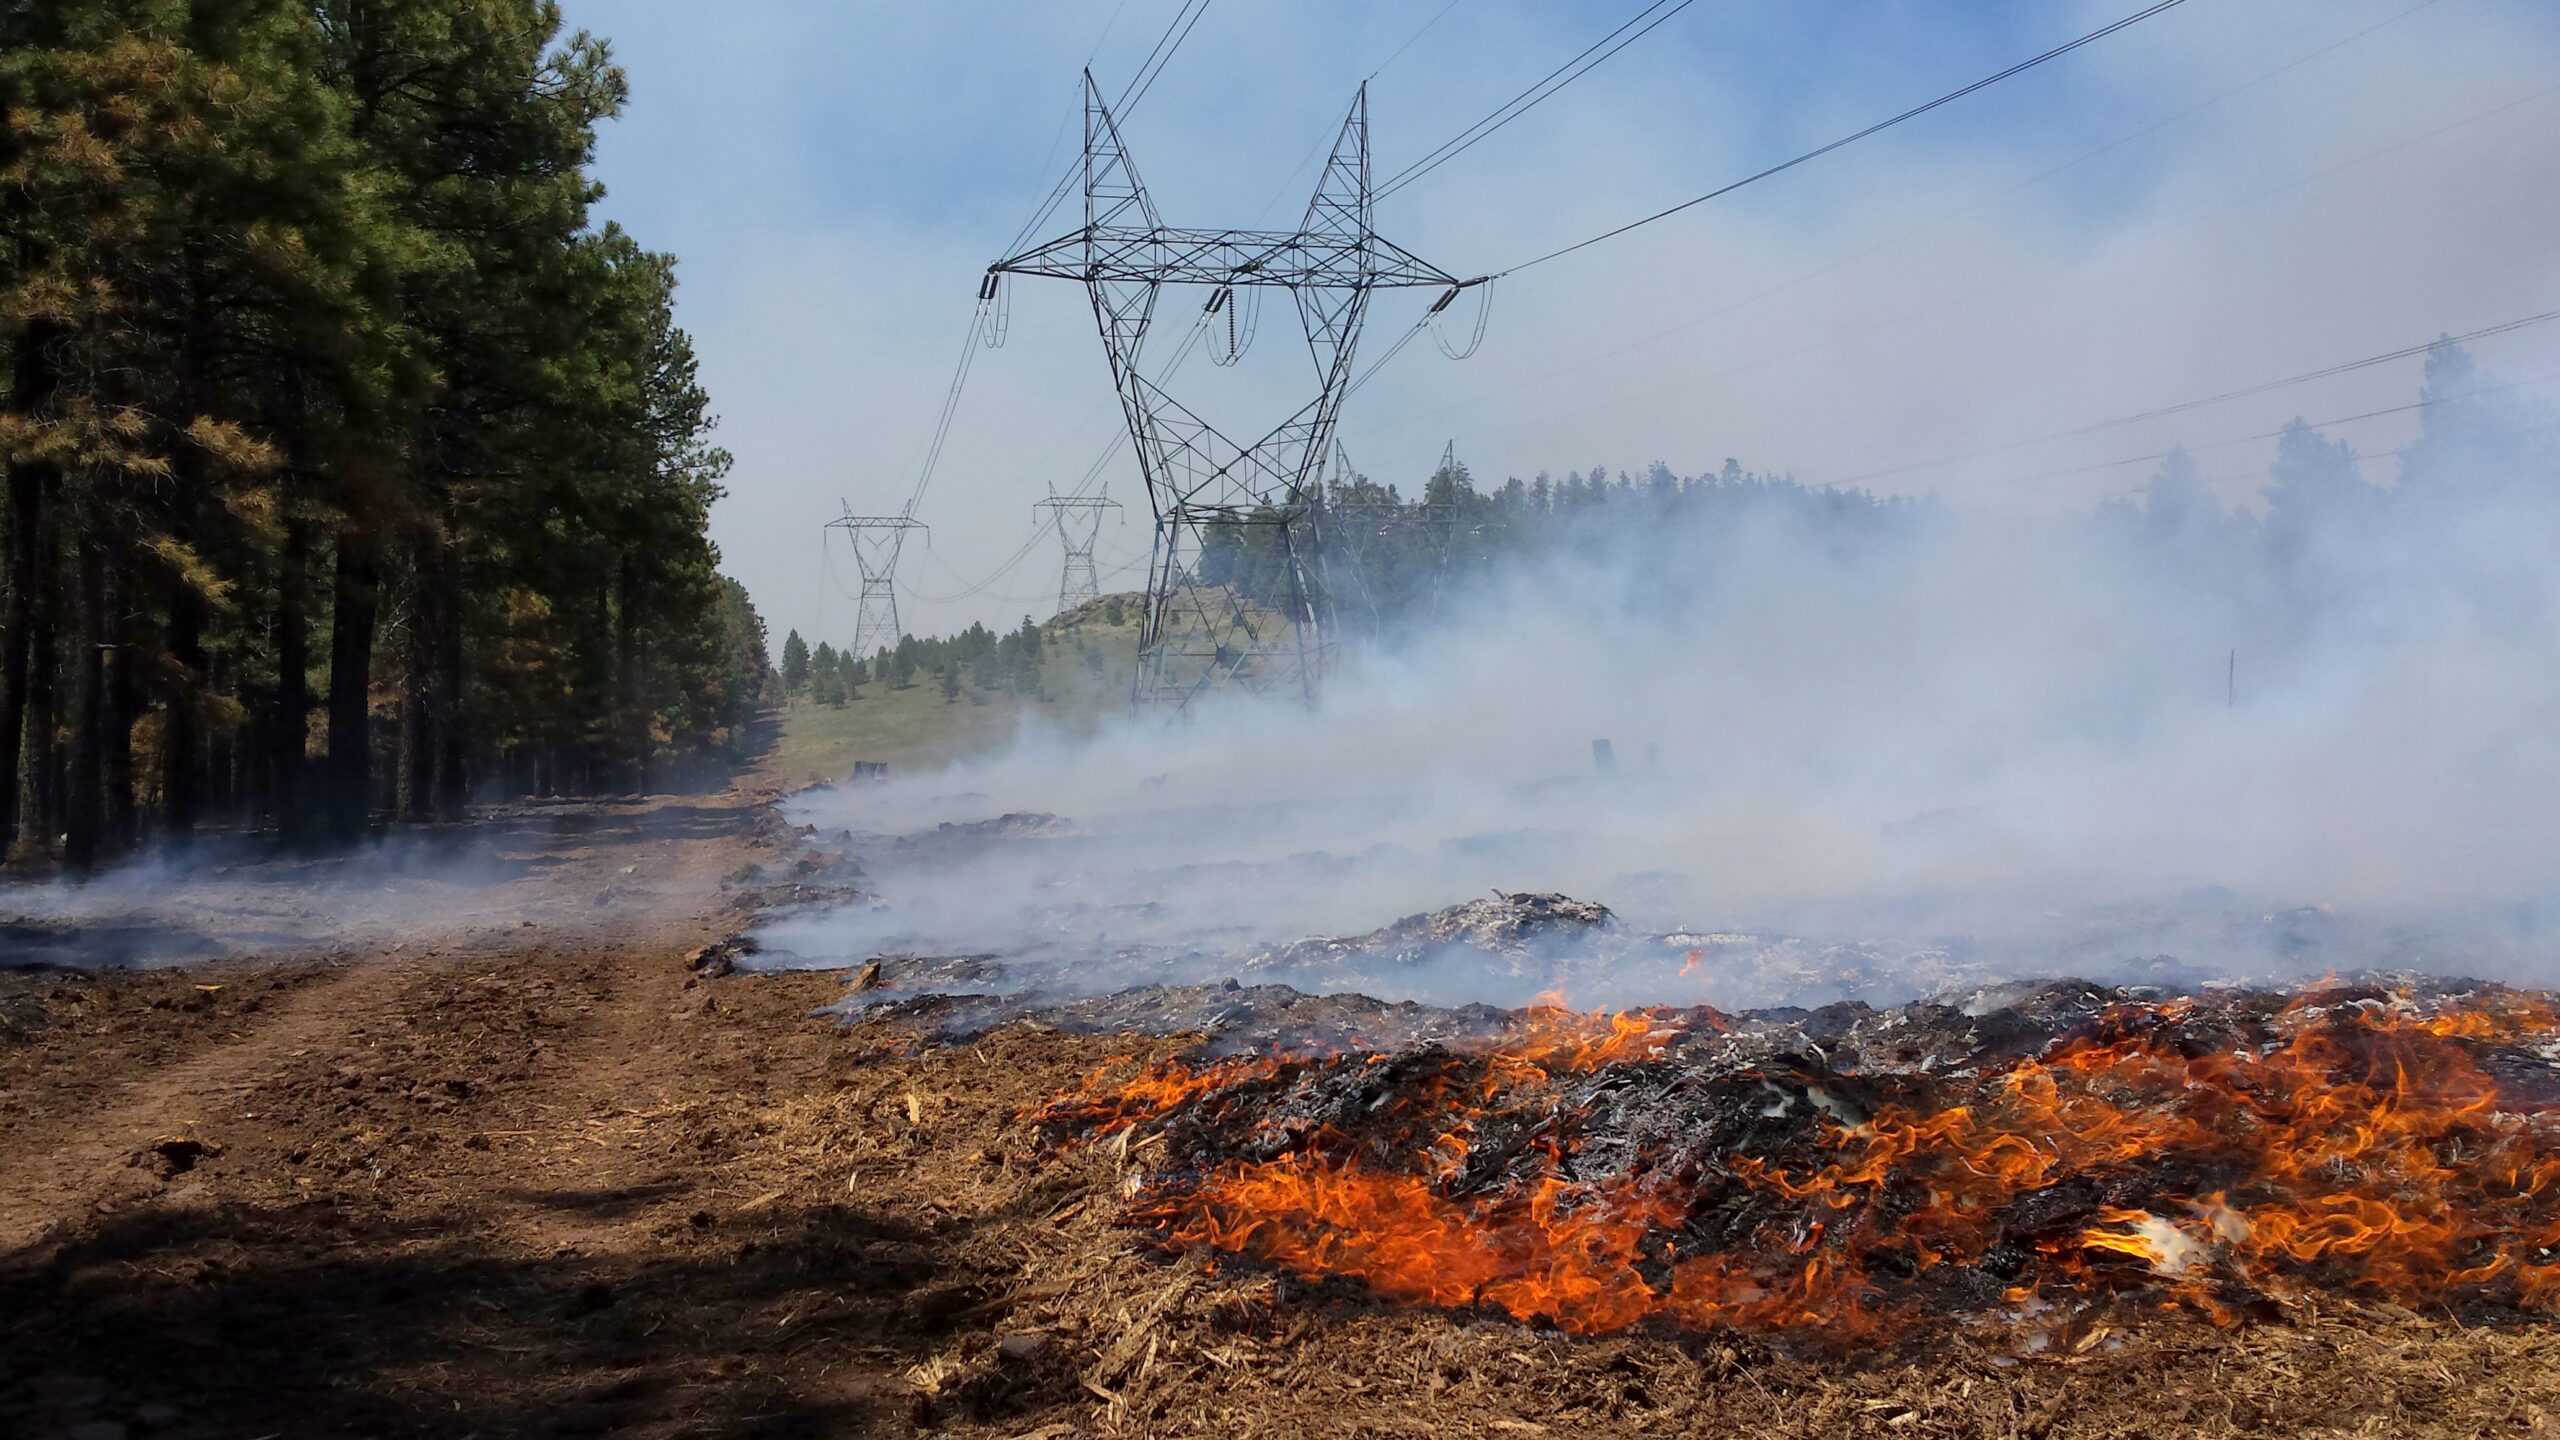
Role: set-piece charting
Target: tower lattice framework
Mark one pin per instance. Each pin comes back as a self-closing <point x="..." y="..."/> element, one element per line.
<point x="1216" y="500"/>
<point x="1358" y="533"/>
<point x="876" y="541"/>
<point x="1078" y="521"/>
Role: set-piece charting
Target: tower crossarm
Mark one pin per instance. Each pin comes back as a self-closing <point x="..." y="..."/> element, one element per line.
<point x="1165" y="255"/>
<point x="1217" y="612"/>
<point x="876" y="541"/>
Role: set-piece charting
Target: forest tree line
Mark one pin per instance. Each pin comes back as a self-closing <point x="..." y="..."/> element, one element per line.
<point x="1390" y="562"/>
<point x="991" y="663"/>
<point x="2330" y="527"/>
<point x="351" y="469"/>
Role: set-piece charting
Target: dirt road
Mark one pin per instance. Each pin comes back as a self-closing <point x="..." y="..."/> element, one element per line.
<point x="461" y="1188"/>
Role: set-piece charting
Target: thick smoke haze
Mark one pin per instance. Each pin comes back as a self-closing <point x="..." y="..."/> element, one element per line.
<point x="1992" y="732"/>
<point x="1942" y="741"/>
<point x="2222" y="195"/>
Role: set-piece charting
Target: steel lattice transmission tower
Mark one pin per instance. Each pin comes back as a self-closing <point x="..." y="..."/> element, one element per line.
<point x="1078" y="520"/>
<point x="1208" y="491"/>
<point x="876" y="541"/>
<point x="1359" y="534"/>
<point x="1440" y="522"/>
<point x="1345" y="527"/>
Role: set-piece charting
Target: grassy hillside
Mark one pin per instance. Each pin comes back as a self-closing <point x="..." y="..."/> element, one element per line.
<point x="1084" y="677"/>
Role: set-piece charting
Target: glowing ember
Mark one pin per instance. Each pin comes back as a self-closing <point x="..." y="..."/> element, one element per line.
<point x="1600" y="1171"/>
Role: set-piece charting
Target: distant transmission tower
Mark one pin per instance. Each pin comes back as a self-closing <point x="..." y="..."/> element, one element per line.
<point x="1078" y="519"/>
<point x="1440" y="524"/>
<point x="876" y="541"/>
<point x="1213" y="498"/>
<point x="1347" y="531"/>
<point x="1361" y="535"/>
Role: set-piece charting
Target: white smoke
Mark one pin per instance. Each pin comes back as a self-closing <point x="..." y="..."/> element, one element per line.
<point x="530" y="873"/>
<point x="1967" y="741"/>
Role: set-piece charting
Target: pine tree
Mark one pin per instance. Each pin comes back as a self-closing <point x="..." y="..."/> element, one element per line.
<point x="795" y="663"/>
<point x="2314" y="486"/>
<point x="306" y="329"/>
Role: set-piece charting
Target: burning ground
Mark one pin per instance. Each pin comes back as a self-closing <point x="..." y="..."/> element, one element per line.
<point x="2057" y="1211"/>
<point x="2018" y="1163"/>
<point x="1959" y="1197"/>
<point x="600" y="1189"/>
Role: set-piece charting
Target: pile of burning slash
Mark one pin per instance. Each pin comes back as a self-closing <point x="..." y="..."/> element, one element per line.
<point x="1853" y="1173"/>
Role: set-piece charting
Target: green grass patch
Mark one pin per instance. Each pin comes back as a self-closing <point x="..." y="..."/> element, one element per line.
<point x="1084" y="679"/>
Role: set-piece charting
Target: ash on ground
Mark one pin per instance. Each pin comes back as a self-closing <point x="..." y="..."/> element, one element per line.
<point x="1030" y="914"/>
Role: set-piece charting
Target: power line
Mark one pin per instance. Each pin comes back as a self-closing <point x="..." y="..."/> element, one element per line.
<point x="1837" y="144"/>
<point x="1041" y="208"/>
<point x="1089" y="55"/>
<point x="978" y="323"/>
<point x="1198" y="327"/>
<point x="1971" y="298"/>
<point x="984" y="322"/>
<point x="1529" y="99"/>
<point x="1323" y="141"/>
<point x="2415" y="405"/>
<point x="1159" y="56"/>
<point x="1139" y="87"/>
<point x="1392" y="55"/>
<point x="1093" y="472"/>
<point x="987" y="322"/>
<point x="2306" y="377"/>
<point x="2358" y="456"/>
<point x="1388" y="354"/>
<point x="1880" y="126"/>
<point x="1198" y="479"/>
<point x="972" y="589"/>
<point x="1890" y="241"/>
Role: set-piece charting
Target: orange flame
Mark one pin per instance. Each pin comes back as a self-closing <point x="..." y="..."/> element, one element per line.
<point x="2355" y="1146"/>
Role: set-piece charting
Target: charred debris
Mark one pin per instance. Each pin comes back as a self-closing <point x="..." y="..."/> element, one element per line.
<point x="2016" y="1154"/>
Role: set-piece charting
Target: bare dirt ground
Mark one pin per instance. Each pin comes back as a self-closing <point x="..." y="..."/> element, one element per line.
<point x="542" y="1180"/>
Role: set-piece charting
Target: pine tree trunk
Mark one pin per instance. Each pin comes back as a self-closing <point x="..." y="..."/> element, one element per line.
<point x="418" y="717"/>
<point x="17" y="638"/>
<point x="643" y="745"/>
<point x="355" y="602"/>
<point x="181" y="739"/>
<point x="83" y="809"/>
<point x="31" y="386"/>
<point x="288" y="732"/>
<point x="182" y="767"/>
<point x="39" y="764"/>
<point x="123" y="708"/>
<point x="222" y="787"/>
<point x="452" y="783"/>
<point x="629" y="722"/>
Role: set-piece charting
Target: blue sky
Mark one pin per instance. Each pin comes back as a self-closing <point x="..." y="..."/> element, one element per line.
<point x="835" y="177"/>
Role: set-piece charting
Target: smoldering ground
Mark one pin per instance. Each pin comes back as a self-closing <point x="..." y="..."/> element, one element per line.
<point x="538" y="871"/>
<point x="1862" y="750"/>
